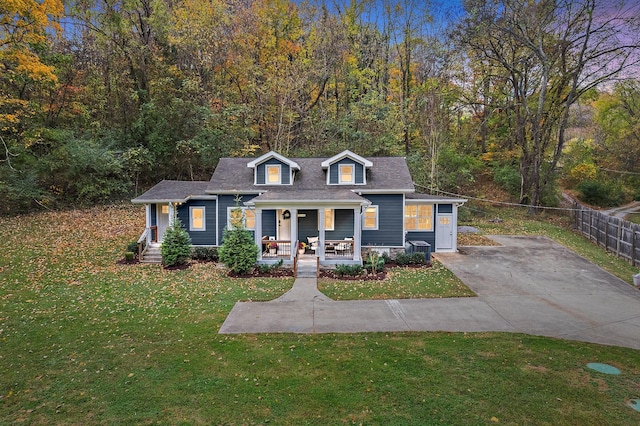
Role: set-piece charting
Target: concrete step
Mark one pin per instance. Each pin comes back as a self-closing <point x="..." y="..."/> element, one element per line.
<point x="307" y="269"/>
<point x="152" y="255"/>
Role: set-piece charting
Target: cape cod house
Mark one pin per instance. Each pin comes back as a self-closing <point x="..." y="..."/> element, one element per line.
<point x="340" y="207"/>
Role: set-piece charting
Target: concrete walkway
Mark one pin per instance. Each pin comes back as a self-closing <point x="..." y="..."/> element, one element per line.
<point x="529" y="285"/>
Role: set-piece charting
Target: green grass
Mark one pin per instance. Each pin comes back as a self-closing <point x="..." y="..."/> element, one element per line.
<point x="633" y="217"/>
<point x="401" y="283"/>
<point x="86" y="341"/>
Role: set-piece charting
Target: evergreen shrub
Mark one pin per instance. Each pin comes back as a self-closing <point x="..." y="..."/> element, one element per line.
<point x="176" y="246"/>
<point x="238" y="251"/>
<point x="205" y="254"/>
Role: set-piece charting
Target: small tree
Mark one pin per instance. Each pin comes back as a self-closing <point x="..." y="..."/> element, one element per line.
<point x="176" y="245"/>
<point x="238" y="251"/>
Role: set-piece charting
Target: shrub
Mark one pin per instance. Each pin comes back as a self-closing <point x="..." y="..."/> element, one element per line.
<point x="508" y="176"/>
<point x="238" y="251"/>
<point x="403" y="259"/>
<point x="265" y="268"/>
<point x="132" y="247"/>
<point x="418" y="258"/>
<point x="374" y="262"/>
<point x="205" y="254"/>
<point x="128" y="256"/>
<point x="600" y="194"/>
<point x="176" y="246"/>
<point x="348" y="270"/>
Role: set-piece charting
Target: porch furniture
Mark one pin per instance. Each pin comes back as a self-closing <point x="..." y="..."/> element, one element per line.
<point x="313" y="243"/>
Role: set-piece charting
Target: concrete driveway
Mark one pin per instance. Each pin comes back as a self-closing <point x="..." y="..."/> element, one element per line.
<point x="529" y="284"/>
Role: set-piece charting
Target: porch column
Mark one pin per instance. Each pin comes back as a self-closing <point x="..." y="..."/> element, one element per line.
<point x="147" y="220"/>
<point x="172" y="214"/>
<point x="321" y="226"/>
<point x="257" y="233"/>
<point x="294" y="232"/>
<point x="357" y="234"/>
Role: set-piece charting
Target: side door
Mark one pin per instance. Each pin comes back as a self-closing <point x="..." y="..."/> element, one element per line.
<point x="444" y="232"/>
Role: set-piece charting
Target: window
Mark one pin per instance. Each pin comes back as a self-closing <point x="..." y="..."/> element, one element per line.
<point x="418" y="217"/>
<point x="196" y="219"/>
<point x="329" y="216"/>
<point x="239" y="217"/>
<point x="370" y="218"/>
<point x="346" y="173"/>
<point x="273" y="174"/>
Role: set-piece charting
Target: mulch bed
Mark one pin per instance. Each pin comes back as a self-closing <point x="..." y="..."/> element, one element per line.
<point x="278" y="273"/>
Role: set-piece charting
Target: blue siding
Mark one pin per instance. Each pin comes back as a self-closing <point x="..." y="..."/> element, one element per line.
<point x="269" y="222"/>
<point x="390" y="221"/>
<point x="445" y="208"/>
<point x="343" y="226"/>
<point x="225" y="201"/>
<point x="429" y="237"/>
<point x="334" y="171"/>
<point x="308" y="225"/>
<point x="200" y="238"/>
<point x="285" y="171"/>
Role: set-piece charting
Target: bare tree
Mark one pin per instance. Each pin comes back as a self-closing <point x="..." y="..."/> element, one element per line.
<point x="551" y="53"/>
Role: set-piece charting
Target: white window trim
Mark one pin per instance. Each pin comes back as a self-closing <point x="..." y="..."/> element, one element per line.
<point x="266" y="174"/>
<point x="204" y="218"/>
<point x="333" y="221"/>
<point x="417" y="218"/>
<point x="353" y="174"/>
<point x="244" y="216"/>
<point x="364" y="227"/>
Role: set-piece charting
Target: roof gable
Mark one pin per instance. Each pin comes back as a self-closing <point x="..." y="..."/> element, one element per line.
<point x="346" y="154"/>
<point x="270" y="155"/>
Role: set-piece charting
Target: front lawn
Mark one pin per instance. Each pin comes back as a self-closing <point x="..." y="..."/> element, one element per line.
<point x="86" y="341"/>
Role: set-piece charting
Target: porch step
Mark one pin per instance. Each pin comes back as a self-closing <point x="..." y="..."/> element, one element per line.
<point x="307" y="268"/>
<point x="152" y="255"/>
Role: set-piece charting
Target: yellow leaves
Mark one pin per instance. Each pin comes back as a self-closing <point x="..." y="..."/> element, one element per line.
<point x="24" y="23"/>
<point x="582" y="172"/>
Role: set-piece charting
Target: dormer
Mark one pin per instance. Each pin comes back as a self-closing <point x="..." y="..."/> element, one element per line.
<point x="273" y="169"/>
<point x="346" y="168"/>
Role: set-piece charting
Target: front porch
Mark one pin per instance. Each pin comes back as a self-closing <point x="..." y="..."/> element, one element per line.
<point x="330" y="250"/>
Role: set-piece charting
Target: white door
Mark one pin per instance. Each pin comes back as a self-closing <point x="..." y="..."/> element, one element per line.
<point x="444" y="232"/>
<point x="284" y="225"/>
<point x="162" y="219"/>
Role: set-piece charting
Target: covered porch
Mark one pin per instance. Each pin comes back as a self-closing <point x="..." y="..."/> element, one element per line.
<point x="330" y="232"/>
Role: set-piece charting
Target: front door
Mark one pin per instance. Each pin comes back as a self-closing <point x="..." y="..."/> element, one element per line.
<point x="444" y="232"/>
<point x="284" y="225"/>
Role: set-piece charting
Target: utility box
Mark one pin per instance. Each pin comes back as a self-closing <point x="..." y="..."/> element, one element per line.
<point x="420" y="247"/>
<point x="636" y="280"/>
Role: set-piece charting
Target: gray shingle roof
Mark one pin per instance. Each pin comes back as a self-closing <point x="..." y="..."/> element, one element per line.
<point x="172" y="190"/>
<point x="387" y="173"/>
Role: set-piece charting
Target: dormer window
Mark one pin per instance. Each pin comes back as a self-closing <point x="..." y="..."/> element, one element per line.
<point x="273" y="169"/>
<point x="346" y="168"/>
<point x="346" y="173"/>
<point x="273" y="175"/>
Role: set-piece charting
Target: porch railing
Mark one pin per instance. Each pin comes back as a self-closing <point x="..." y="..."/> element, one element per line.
<point x="143" y="242"/>
<point x="338" y="248"/>
<point x="276" y="248"/>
